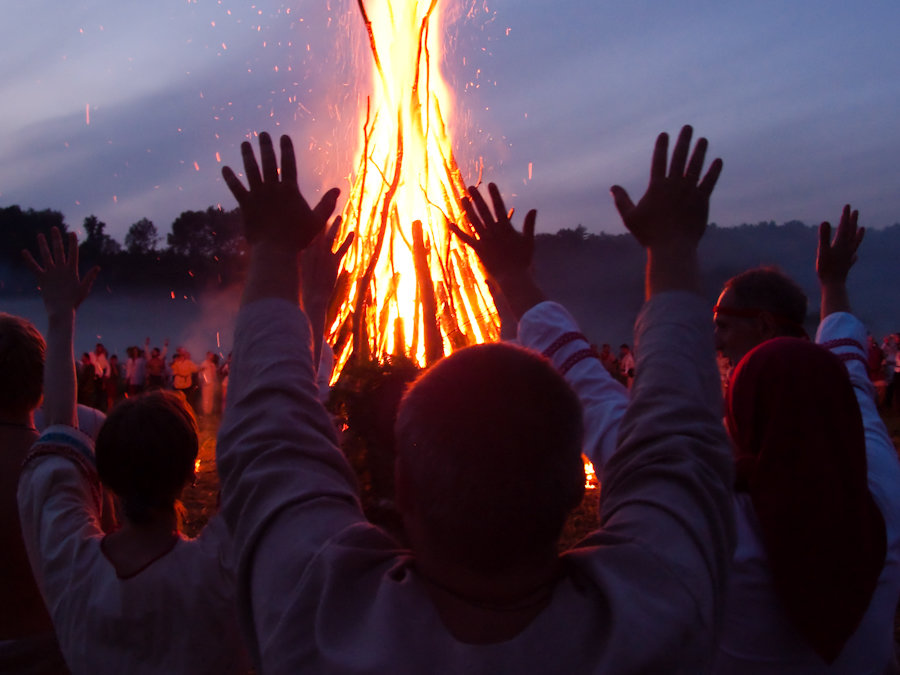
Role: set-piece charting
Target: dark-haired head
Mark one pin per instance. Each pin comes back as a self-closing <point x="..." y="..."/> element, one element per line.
<point x="22" y="365"/>
<point x="489" y="458"/>
<point x="758" y="305"/>
<point x="146" y="451"/>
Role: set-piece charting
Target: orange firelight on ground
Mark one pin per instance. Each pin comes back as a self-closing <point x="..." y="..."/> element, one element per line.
<point x="408" y="286"/>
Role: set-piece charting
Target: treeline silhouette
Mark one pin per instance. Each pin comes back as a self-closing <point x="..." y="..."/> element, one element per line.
<point x="204" y="250"/>
<point x="598" y="277"/>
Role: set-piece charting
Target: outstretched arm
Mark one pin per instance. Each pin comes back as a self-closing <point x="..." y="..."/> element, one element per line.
<point x="668" y="485"/>
<point x="286" y="487"/>
<point x="505" y="252"/>
<point x="60" y="500"/>
<point x="62" y="291"/>
<point x="834" y="259"/>
<point x="845" y="335"/>
<point x="670" y="218"/>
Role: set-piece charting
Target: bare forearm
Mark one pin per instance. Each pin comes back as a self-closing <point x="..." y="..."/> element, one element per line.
<point x="521" y="292"/>
<point x="672" y="270"/>
<point x="834" y="298"/>
<point x="273" y="273"/>
<point x="59" y="370"/>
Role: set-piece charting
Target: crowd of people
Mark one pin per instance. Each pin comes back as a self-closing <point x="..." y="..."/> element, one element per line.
<point x="755" y="533"/>
<point x="621" y="367"/>
<point x="884" y="369"/>
<point x="103" y="381"/>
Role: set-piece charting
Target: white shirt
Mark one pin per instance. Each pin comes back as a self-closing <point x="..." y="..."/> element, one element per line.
<point x="323" y="591"/>
<point x="175" y="616"/>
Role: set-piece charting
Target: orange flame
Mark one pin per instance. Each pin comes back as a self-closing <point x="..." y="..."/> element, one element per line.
<point x="408" y="286"/>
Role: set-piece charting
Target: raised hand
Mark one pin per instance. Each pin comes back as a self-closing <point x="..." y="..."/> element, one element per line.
<point x="63" y="291"/>
<point x="834" y="260"/>
<point x="835" y="257"/>
<point x="505" y="253"/>
<point x="502" y="249"/>
<point x="318" y="271"/>
<point x="319" y="265"/>
<point x="675" y="207"/>
<point x="273" y="209"/>
<point x="670" y="218"/>
<point x="57" y="275"/>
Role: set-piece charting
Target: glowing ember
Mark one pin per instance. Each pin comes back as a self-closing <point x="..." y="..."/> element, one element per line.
<point x="407" y="287"/>
<point x="590" y="476"/>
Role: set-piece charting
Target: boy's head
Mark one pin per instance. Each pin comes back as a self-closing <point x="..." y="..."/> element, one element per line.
<point x="489" y="457"/>
<point x="146" y="451"/>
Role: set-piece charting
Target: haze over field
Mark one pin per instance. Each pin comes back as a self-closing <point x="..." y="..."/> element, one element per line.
<point x="599" y="279"/>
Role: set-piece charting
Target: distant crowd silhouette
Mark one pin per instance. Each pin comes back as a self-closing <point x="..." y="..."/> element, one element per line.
<point x="103" y="381"/>
<point x="755" y="532"/>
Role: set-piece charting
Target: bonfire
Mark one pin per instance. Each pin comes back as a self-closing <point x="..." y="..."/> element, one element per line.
<point x="408" y="287"/>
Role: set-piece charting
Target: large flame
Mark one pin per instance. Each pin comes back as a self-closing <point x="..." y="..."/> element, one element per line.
<point x="408" y="286"/>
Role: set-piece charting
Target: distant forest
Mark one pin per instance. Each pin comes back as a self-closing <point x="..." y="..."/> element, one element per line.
<point x="204" y="250"/>
<point x="599" y="277"/>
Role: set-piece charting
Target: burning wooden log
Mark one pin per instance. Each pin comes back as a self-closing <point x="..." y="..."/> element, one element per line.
<point x="434" y="343"/>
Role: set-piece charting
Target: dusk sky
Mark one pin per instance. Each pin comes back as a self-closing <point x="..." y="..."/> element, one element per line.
<point x="119" y="108"/>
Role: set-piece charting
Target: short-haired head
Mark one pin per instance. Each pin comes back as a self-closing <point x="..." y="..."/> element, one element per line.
<point x="146" y="451"/>
<point x="22" y="365"/>
<point x="758" y="305"/>
<point x="489" y="456"/>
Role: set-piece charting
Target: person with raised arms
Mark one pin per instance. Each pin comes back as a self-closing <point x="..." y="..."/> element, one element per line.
<point x="489" y="463"/>
<point x="143" y="598"/>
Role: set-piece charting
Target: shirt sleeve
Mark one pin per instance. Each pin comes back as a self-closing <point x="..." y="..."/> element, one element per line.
<point x="548" y="328"/>
<point x="59" y="498"/>
<point x="286" y="487"/>
<point x="845" y="336"/>
<point x="668" y="486"/>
